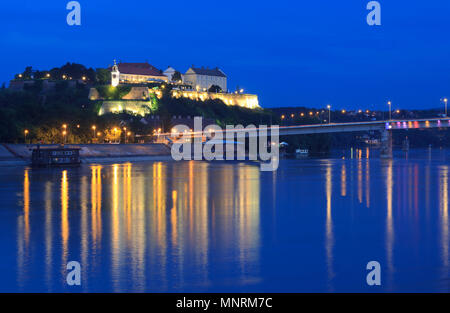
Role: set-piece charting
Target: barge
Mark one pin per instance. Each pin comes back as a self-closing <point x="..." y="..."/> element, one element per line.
<point x="61" y="156"/>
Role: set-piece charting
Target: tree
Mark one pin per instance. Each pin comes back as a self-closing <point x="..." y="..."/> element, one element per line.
<point x="215" y="88"/>
<point x="176" y="77"/>
<point x="27" y="73"/>
<point x="103" y="76"/>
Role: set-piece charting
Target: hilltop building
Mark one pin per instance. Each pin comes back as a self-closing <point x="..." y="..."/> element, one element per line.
<point x="135" y="73"/>
<point x="201" y="79"/>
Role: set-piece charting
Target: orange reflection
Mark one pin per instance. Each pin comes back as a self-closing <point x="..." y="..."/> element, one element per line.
<point x="64" y="215"/>
<point x="329" y="224"/>
<point x="173" y="217"/>
<point x="343" y="180"/>
<point x="96" y="203"/>
<point x="389" y="219"/>
<point x="23" y="232"/>
<point x="26" y="206"/>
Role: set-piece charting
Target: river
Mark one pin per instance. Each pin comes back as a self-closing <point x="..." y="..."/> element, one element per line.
<point x="311" y="226"/>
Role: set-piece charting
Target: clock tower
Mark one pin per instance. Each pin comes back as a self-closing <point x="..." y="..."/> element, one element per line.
<point x="115" y="74"/>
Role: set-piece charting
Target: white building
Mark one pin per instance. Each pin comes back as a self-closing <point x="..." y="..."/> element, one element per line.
<point x="202" y="79"/>
<point x="135" y="73"/>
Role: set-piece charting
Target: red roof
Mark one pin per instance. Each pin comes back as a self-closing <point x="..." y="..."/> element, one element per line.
<point x="139" y="69"/>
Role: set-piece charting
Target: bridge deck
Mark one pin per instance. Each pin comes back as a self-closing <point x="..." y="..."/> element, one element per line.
<point x="339" y="127"/>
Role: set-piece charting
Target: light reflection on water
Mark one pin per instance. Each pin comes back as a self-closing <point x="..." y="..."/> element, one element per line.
<point x="196" y="226"/>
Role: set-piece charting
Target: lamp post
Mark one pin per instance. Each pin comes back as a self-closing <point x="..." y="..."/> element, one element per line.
<point x="64" y="132"/>
<point x="445" y="102"/>
<point x="93" y="129"/>
<point x="25" y="132"/>
<point x="329" y="113"/>
<point x="115" y="134"/>
<point x="389" y="103"/>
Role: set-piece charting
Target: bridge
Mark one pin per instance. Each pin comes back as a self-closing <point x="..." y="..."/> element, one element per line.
<point x="385" y="127"/>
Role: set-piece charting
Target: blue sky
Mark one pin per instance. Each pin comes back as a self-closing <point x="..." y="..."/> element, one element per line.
<point x="290" y="53"/>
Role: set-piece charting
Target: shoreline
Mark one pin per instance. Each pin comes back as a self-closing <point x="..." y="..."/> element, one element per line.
<point x="20" y="154"/>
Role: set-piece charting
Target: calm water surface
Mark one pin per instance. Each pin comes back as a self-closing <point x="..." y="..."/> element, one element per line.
<point x="227" y="227"/>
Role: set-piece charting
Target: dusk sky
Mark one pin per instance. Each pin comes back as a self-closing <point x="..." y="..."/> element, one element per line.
<point x="290" y="53"/>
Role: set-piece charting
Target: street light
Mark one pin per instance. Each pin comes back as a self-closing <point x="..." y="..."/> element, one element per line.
<point x="94" y="128"/>
<point x="445" y="102"/>
<point x="115" y="134"/>
<point x="329" y="113"/>
<point x="389" y="103"/>
<point x="25" y="133"/>
<point x="126" y="138"/>
<point x="64" y="131"/>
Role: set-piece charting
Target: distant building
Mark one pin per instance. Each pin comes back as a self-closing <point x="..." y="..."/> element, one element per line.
<point x="135" y="73"/>
<point x="202" y="79"/>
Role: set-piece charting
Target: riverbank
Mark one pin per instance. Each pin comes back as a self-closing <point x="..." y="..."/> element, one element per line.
<point x="20" y="154"/>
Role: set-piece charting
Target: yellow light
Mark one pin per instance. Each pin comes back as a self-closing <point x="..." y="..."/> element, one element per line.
<point x="26" y="131"/>
<point x="83" y="78"/>
<point x="129" y="133"/>
<point x="292" y="115"/>
<point x="64" y="132"/>
<point x="398" y="111"/>
<point x="99" y="134"/>
<point x="310" y="113"/>
<point x="302" y="114"/>
<point x="64" y="126"/>
<point x="282" y="117"/>
<point x="78" y="126"/>
<point x="94" y="127"/>
<point x="343" y="111"/>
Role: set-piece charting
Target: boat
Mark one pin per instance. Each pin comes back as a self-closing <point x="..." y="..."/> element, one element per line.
<point x="60" y="156"/>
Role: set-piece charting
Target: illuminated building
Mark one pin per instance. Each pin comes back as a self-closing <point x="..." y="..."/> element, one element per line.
<point x="201" y="79"/>
<point x="135" y="73"/>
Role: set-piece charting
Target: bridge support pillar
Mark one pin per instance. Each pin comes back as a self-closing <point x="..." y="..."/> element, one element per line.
<point x="386" y="144"/>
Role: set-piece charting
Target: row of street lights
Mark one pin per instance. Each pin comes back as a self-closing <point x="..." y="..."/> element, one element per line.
<point x="445" y="100"/>
<point x="95" y="133"/>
